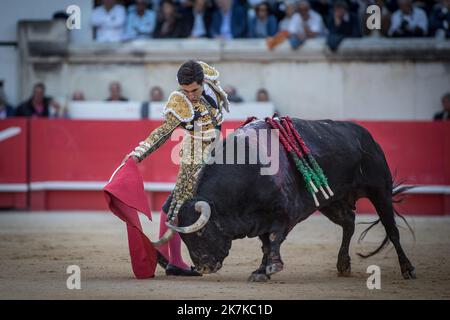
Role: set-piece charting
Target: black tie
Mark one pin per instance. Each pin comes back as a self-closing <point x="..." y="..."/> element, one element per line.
<point x="210" y="100"/>
<point x="213" y="103"/>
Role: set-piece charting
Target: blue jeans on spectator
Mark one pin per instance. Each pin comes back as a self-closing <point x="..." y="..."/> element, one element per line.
<point x="295" y="41"/>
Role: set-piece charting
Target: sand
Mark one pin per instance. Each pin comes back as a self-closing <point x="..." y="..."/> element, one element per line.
<point x="36" y="249"/>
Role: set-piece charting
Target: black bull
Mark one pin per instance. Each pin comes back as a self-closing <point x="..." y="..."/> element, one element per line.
<point x="245" y="203"/>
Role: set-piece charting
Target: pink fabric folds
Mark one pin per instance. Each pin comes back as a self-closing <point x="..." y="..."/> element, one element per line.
<point x="125" y="196"/>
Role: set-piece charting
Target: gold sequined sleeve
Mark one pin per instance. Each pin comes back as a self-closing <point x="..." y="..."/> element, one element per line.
<point x="157" y="137"/>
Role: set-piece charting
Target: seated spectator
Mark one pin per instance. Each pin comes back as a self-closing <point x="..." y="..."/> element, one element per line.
<point x="263" y="24"/>
<point x="140" y="21"/>
<point x="115" y="92"/>
<point x="278" y="9"/>
<point x="78" y="96"/>
<point x="108" y="21"/>
<point x="6" y="110"/>
<point x="168" y="21"/>
<point x="262" y="95"/>
<point x="186" y="17"/>
<point x="155" y="5"/>
<point x="289" y="27"/>
<point x="425" y="5"/>
<point x="341" y="24"/>
<point x="156" y="95"/>
<point x="301" y="23"/>
<point x="440" y="20"/>
<point x="385" y="19"/>
<point x="38" y="105"/>
<point x="445" y="113"/>
<point x="311" y="22"/>
<point x="229" y="20"/>
<point x="323" y="7"/>
<point x="202" y="11"/>
<point x="408" y="21"/>
<point x="291" y="19"/>
<point x="232" y="94"/>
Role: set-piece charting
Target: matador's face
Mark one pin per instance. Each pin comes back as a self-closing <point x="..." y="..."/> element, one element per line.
<point x="193" y="91"/>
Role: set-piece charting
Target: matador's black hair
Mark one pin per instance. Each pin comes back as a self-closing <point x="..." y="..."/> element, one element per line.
<point x="189" y="72"/>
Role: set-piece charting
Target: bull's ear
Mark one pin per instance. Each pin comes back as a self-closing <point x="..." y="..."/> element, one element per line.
<point x="187" y="213"/>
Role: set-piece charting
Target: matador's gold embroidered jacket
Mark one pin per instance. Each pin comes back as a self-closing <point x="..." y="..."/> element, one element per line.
<point x="202" y="116"/>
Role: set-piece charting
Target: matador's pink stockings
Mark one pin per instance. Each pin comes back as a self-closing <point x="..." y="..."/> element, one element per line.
<point x="171" y="250"/>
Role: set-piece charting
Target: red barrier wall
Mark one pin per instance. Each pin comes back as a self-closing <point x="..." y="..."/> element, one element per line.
<point x="13" y="163"/>
<point x="70" y="160"/>
<point x="419" y="153"/>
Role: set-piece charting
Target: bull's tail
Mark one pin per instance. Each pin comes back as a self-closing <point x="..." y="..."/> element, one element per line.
<point x="398" y="196"/>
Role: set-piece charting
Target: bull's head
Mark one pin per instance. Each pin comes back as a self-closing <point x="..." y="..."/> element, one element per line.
<point x="208" y="245"/>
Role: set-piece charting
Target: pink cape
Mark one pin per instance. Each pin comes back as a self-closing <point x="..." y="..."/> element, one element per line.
<point x="125" y="196"/>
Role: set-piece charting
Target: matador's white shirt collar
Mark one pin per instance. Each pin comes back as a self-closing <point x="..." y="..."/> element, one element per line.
<point x="210" y="92"/>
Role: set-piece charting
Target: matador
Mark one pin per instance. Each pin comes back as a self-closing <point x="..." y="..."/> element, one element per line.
<point x="198" y="108"/>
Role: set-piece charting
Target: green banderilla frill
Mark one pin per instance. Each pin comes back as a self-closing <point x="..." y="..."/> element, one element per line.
<point x="308" y="175"/>
<point x="323" y="181"/>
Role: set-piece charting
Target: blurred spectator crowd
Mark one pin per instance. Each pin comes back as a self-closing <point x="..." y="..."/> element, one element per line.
<point x="274" y="20"/>
<point x="39" y="104"/>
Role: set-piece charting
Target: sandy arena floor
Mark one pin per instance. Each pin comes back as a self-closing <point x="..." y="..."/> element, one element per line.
<point x="36" y="248"/>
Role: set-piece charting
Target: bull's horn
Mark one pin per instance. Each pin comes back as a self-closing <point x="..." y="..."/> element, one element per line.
<point x="166" y="237"/>
<point x="200" y="206"/>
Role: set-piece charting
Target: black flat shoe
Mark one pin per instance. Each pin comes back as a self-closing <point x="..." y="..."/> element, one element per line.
<point x="162" y="261"/>
<point x="172" y="270"/>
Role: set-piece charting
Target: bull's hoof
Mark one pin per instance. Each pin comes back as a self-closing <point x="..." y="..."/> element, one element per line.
<point x="274" y="268"/>
<point x="258" y="277"/>
<point x="408" y="270"/>
<point x="409" y="274"/>
<point x="345" y="272"/>
<point x="344" y="267"/>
